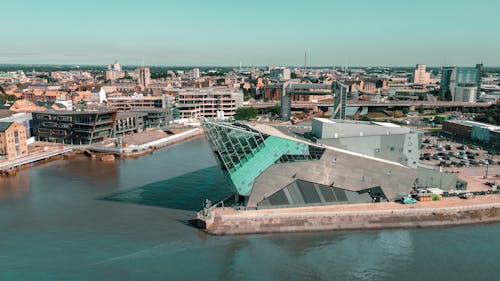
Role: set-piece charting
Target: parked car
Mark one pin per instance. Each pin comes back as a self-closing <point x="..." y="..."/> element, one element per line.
<point x="467" y="195"/>
<point x="408" y="200"/>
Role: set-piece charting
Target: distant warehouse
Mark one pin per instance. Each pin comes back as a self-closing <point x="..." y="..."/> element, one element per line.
<point x="475" y="131"/>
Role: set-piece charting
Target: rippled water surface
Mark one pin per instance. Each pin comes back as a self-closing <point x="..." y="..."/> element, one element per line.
<point x="89" y="220"/>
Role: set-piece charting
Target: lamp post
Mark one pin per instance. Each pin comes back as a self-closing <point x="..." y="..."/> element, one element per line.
<point x="487" y="165"/>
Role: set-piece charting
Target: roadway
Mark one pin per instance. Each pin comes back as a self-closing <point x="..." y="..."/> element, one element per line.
<point x="356" y="103"/>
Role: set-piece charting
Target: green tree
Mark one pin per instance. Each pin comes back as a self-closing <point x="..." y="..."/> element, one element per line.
<point x="1" y="90"/>
<point x="4" y="98"/>
<point x="274" y="110"/>
<point x="246" y="113"/>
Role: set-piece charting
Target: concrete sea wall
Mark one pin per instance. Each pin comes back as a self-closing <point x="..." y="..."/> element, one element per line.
<point x="248" y="222"/>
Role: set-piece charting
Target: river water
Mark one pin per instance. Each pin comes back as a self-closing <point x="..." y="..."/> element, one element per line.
<point x="88" y="220"/>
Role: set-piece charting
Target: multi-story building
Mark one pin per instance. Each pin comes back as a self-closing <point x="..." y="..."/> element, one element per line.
<point x="272" y="165"/>
<point x="128" y="122"/>
<point x="194" y="73"/>
<point x="113" y="75"/>
<point x="114" y="72"/>
<point x="420" y="76"/>
<point x="220" y="102"/>
<point x="143" y="77"/>
<point x="445" y="81"/>
<point x="340" y="91"/>
<point x="13" y="140"/>
<point x="137" y="121"/>
<point x="137" y="101"/>
<point x="459" y="81"/>
<point x="476" y="131"/>
<point x="280" y="74"/>
<point x="273" y="92"/>
<point x="465" y="93"/>
<point x="73" y="127"/>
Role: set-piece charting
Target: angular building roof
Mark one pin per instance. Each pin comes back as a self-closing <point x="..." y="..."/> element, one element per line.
<point x="263" y="159"/>
<point x="4" y="126"/>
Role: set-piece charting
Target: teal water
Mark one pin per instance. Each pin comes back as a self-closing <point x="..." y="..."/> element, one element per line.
<point x="89" y="220"/>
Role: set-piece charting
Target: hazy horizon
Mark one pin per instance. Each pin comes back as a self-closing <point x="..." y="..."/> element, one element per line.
<point x="226" y="33"/>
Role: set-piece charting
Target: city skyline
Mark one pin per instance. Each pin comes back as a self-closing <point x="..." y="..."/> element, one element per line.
<point x="223" y="33"/>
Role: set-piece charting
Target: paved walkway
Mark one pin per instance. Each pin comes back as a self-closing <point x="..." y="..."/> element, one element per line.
<point x="449" y="202"/>
<point x="37" y="156"/>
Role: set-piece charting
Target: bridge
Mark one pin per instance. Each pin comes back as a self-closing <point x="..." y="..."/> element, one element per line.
<point x="389" y="104"/>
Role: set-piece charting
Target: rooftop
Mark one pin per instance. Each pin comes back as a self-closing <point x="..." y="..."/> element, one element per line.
<point x="477" y="124"/>
<point x="4" y="126"/>
<point x="70" y="112"/>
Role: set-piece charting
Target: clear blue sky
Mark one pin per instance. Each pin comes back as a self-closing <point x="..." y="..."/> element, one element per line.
<point x="254" y="32"/>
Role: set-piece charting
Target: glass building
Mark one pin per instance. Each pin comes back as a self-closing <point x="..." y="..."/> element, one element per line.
<point x="273" y="165"/>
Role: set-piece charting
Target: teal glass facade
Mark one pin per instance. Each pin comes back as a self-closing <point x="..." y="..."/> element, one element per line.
<point x="245" y="153"/>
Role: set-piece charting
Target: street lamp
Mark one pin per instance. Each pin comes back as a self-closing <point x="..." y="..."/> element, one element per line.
<point x="487" y="165"/>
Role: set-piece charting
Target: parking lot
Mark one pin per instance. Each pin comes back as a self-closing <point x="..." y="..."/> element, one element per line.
<point x="471" y="163"/>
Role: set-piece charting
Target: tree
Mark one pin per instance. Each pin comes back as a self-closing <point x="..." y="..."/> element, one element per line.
<point x="274" y="110"/>
<point x="1" y="90"/>
<point x="246" y="113"/>
<point x="293" y="75"/>
<point x="4" y="98"/>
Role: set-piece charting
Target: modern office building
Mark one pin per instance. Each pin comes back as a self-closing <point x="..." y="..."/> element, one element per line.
<point x="465" y="93"/>
<point x="420" y="76"/>
<point x="279" y="166"/>
<point x="13" y="140"/>
<point x="137" y="101"/>
<point x="463" y="83"/>
<point x="139" y="120"/>
<point x="73" y="127"/>
<point x="340" y="91"/>
<point x="129" y="122"/>
<point x="445" y="81"/>
<point x="216" y="103"/>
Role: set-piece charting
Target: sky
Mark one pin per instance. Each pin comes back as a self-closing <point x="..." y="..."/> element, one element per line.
<point x="251" y="32"/>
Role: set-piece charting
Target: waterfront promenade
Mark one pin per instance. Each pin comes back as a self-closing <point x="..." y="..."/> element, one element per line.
<point x="34" y="157"/>
<point x="449" y="211"/>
